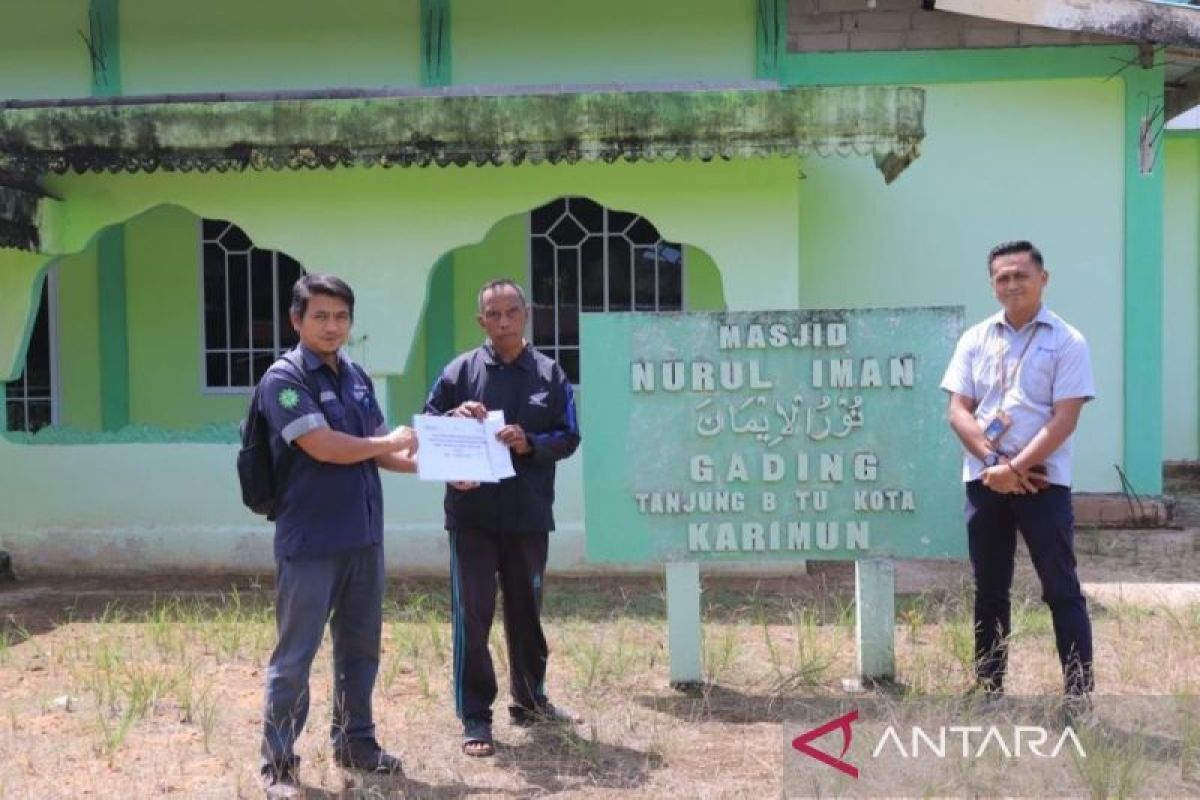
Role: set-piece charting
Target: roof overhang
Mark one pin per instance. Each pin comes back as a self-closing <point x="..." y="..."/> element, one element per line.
<point x="454" y="126"/>
<point x="459" y="126"/>
<point x="1150" y="24"/>
<point x="1140" y="20"/>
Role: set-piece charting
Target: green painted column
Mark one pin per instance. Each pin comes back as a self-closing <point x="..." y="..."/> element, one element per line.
<point x="104" y="45"/>
<point x="439" y="319"/>
<point x="114" y="336"/>
<point x="770" y="26"/>
<point x="435" y="43"/>
<point x="1143" y="422"/>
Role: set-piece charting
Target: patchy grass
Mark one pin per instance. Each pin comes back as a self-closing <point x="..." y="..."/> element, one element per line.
<point x="160" y="693"/>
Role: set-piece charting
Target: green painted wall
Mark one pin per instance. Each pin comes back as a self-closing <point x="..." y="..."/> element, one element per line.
<point x="996" y="165"/>
<point x="268" y="44"/>
<point x="41" y="53"/>
<point x="78" y="345"/>
<point x="388" y="227"/>
<point x="703" y="290"/>
<point x="565" y="41"/>
<point x="163" y="285"/>
<point x="503" y="253"/>
<point x="1181" y="299"/>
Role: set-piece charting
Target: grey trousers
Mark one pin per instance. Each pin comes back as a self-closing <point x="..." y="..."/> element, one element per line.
<point x="346" y="590"/>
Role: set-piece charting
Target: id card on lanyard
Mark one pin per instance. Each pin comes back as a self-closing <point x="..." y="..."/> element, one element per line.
<point x="1000" y="422"/>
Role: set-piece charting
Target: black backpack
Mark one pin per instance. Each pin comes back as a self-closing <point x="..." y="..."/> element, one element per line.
<point x="262" y="479"/>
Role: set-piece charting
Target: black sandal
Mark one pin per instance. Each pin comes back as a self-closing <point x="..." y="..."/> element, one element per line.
<point x="477" y="739"/>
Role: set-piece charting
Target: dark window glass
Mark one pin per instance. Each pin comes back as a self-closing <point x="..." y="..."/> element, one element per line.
<point x="37" y="357"/>
<point x="543" y="217"/>
<point x="241" y="370"/>
<point x="28" y="399"/>
<point x="214" y="297"/>
<point x="543" y="327"/>
<point x="569" y="360"/>
<point x="239" y="300"/>
<point x="670" y="286"/>
<point x="592" y="273"/>
<point x="589" y="213"/>
<point x="261" y="362"/>
<point x="235" y="240"/>
<point x="645" y="283"/>
<point x="38" y="415"/>
<point x="262" y="299"/>
<point x="620" y="278"/>
<point x="217" y="367"/>
<point x="541" y="254"/>
<point x="567" y="232"/>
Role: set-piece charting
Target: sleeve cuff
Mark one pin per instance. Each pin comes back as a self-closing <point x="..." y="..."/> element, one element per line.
<point x="302" y="425"/>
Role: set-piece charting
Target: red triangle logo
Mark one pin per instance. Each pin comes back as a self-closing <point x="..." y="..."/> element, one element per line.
<point x="802" y="743"/>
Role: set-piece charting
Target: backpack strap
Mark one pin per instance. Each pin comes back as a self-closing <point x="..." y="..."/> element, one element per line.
<point x="290" y="454"/>
<point x="294" y="358"/>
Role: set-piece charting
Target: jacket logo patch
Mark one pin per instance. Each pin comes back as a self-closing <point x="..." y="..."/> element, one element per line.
<point x="539" y="399"/>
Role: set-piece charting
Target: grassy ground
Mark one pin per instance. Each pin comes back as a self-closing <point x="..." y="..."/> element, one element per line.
<point x="110" y="691"/>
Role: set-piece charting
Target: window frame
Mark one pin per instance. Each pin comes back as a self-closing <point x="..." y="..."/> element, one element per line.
<point x="203" y="349"/>
<point x="49" y="291"/>
<point x="683" y="271"/>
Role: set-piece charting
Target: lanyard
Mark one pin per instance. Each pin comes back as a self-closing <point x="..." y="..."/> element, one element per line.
<point x="1004" y="373"/>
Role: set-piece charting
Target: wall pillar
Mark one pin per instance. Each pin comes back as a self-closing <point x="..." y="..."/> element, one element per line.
<point x="1143" y="361"/>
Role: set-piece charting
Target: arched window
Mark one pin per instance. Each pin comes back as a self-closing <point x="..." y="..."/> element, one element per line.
<point x="29" y="400"/>
<point x="584" y="257"/>
<point x="247" y="291"/>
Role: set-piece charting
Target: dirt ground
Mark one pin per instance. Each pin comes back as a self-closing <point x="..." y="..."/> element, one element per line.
<point x="144" y="687"/>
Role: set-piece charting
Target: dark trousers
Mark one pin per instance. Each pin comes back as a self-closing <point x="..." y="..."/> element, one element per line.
<point x="518" y="560"/>
<point x="346" y="590"/>
<point x="1047" y="523"/>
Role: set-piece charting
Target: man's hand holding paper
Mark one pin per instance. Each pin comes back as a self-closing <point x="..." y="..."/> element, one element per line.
<point x="465" y="446"/>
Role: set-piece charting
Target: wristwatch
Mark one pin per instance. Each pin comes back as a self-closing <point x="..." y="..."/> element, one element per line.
<point x="991" y="459"/>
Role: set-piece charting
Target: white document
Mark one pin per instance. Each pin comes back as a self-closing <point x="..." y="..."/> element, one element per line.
<point x="461" y="449"/>
<point x="499" y="455"/>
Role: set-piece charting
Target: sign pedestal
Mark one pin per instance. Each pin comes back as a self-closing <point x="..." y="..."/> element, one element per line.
<point x="683" y="624"/>
<point x="874" y="628"/>
<point x="875" y="618"/>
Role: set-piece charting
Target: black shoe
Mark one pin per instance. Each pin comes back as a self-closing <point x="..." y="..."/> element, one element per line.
<point x="279" y="781"/>
<point x="365" y="755"/>
<point x="524" y="717"/>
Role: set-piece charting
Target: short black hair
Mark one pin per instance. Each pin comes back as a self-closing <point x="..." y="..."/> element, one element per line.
<point x="318" y="283"/>
<point x="500" y="283"/>
<point x="1015" y="248"/>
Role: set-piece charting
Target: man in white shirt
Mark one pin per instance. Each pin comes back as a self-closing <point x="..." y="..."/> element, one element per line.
<point x="1017" y="382"/>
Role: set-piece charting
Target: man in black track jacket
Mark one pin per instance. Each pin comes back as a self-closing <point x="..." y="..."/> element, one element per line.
<point x="502" y="529"/>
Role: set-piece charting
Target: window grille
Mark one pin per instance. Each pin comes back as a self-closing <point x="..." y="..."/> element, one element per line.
<point x="247" y="292"/>
<point x="584" y="257"/>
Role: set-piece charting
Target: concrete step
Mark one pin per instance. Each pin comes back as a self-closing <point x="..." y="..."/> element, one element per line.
<point x="1116" y="510"/>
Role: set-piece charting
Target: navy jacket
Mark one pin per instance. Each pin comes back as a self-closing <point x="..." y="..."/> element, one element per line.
<point x="534" y="392"/>
<point x="325" y="508"/>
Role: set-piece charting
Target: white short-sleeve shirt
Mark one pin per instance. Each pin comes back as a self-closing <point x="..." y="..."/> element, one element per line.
<point x="1056" y="366"/>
